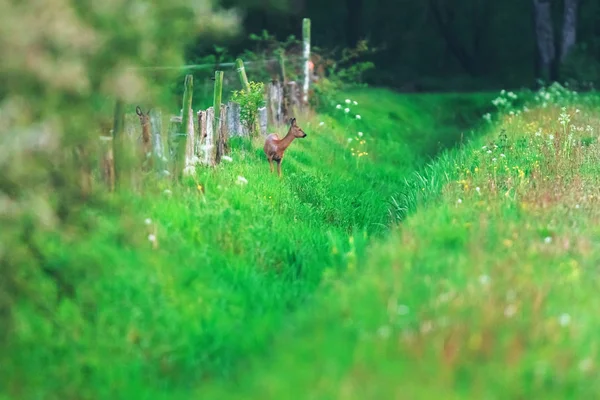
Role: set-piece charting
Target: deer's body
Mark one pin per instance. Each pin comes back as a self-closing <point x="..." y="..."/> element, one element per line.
<point x="275" y="147"/>
<point x="146" y="135"/>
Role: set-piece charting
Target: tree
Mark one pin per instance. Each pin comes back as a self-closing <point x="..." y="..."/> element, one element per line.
<point x="553" y="49"/>
<point x="544" y="32"/>
<point x="569" y="33"/>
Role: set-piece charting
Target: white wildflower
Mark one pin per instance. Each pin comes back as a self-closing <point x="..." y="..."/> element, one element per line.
<point x="339" y="106"/>
<point x="321" y="123"/>
<point x="586" y="365"/>
<point x="189" y="170"/>
<point x="564" y="319"/>
<point x="459" y="201"/>
<point x="384" y="331"/>
<point x="547" y="240"/>
<point x="152" y="238"/>
<point x="348" y="101"/>
<point x="489" y="152"/>
<point x="503" y="155"/>
<point x="358" y="116"/>
<point x="494" y="159"/>
<point x="346" y="110"/>
<point x="227" y="158"/>
<point x="147" y="221"/>
<point x="484" y="280"/>
<point x="241" y="180"/>
<point x="167" y="192"/>
<point x="510" y="311"/>
<point x="426" y="327"/>
<point x="360" y="134"/>
<point x="478" y="190"/>
<point x="349" y="140"/>
<point x="355" y="103"/>
<point x="402" y="309"/>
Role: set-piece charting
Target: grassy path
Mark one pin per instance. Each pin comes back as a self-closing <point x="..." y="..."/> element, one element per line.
<point x="487" y="292"/>
<point x="179" y="287"/>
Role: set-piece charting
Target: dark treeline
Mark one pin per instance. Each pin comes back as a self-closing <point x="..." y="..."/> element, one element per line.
<point x="436" y="44"/>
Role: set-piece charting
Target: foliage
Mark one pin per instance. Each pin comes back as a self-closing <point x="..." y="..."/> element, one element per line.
<point x="341" y="70"/>
<point x="249" y="103"/>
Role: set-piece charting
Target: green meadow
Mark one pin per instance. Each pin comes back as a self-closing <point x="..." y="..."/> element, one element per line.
<point x="416" y="246"/>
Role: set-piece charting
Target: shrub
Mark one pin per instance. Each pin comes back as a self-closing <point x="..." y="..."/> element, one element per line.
<point x="250" y="102"/>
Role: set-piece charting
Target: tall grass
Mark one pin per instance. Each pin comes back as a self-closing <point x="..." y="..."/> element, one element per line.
<point x="488" y="290"/>
<point x="158" y="293"/>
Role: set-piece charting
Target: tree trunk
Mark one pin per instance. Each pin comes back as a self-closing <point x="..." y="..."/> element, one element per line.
<point x="569" y="29"/>
<point x="544" y="32"/>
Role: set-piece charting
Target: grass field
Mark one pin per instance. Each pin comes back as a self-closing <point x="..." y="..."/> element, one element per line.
<point x="243" y="285"/>
<point x="488" y="292"/>
<point x="175" y="287"/>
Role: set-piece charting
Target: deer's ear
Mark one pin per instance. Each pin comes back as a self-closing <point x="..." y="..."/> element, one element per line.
<point x="138" y="111"/>
<point x="293" y="121"/>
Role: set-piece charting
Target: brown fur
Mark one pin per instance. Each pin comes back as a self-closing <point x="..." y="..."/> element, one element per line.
<point x="275" y="147"/>
<point x="146" y="136"/>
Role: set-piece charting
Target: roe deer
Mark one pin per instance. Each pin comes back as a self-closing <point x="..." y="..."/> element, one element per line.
<point x="146" y="136"/>
<point x="275" y="147"/>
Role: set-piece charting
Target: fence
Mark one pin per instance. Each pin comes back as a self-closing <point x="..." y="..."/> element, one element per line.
<point x="198" y="137"/>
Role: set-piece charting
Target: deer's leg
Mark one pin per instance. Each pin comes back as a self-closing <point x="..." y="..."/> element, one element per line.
<point x="271" y="163"/>
<point x="279" y="167"/>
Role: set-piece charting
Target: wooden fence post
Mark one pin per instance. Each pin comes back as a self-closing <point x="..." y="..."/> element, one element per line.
<point x="180" y="158"/>
<point x="239" y="64"/>
<point x="262" y="120"/>
<point x="218" y="95"/>
<point x="157" y="144"/>
<point x="234" y="127"/>
<point x="200" y="133"/>
<point x="275" y="102"/>
<point x="174" y="132"/>
<point x="293" y="99"/>
<point x="223" y="136"/>
<point x="107" y="162"/>
<point x="120" y="157"/>
<point x="190" y="156"/>
<point x="209" y="138"/>
<point x="306" y="57"/>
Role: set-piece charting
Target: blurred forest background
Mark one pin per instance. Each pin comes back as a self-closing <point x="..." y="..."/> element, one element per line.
<point x="437" y="44"/>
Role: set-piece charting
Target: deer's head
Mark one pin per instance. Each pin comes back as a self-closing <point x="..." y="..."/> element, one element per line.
<point x="144" y="118"/>
<point x="296" y="130"/>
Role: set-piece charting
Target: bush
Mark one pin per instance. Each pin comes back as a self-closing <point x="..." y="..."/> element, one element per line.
<point x="250" y="102"/>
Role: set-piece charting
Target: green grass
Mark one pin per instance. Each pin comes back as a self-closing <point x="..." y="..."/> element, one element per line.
<point x="307" y="286"/>
<point x="488" y="291"/>
<point x="100" y="311"/>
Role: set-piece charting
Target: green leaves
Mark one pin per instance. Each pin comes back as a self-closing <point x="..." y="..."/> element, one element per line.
<point x="250" y="103"/>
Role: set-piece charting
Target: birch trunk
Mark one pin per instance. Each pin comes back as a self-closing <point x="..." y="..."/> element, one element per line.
<point x="569" y="30"/>
<point x="544" y="33"/>
<point x="306" y="56"/>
